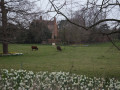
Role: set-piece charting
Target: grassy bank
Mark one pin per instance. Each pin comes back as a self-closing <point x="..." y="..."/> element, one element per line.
<point x="101" y="60"/>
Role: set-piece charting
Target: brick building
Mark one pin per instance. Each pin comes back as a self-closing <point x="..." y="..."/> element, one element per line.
<point x="53" y="27"/>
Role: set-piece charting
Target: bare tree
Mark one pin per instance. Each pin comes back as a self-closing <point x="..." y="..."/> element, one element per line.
<point x="95" y="12"/>
<point x="104" y="7"/>
<point x="18" y="12"/>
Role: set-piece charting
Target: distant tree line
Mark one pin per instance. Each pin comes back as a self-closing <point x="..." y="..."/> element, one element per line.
<point x="68" y="33"/>
<point x="71" y="34"/>
<point x="36" y="33"/>
<point x="90" y="22"/>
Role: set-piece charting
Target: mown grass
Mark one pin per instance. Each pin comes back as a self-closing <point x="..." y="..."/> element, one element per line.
<point x="101" y="60"/>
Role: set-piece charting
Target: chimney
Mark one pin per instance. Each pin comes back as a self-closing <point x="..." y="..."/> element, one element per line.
<point x="54" y="19"/>
<point x="40" y="18"/>
<point x="55" y="28"/>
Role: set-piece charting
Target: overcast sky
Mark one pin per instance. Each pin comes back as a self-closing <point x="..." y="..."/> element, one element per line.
<point x="44" y="5"/>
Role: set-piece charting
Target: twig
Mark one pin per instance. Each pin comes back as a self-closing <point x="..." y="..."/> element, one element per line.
<point x="113" y="42"/>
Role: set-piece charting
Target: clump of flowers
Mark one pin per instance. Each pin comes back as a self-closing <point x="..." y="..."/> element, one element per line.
<point x="28" y="80"/>
<point x="11" y="54"/>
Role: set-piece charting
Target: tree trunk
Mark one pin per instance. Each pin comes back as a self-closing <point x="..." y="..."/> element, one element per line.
<point x="4" y="26"/>
<point x="5" y="48"/>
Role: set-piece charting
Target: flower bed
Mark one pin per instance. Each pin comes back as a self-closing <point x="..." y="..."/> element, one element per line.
<point x="11" y="54"/>
<point x="23" y="80"/>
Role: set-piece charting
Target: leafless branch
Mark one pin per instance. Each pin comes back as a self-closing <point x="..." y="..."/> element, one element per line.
<point x="58" y="12"/>
<point x="113" y="42"/>
<point x="100" y="21"/>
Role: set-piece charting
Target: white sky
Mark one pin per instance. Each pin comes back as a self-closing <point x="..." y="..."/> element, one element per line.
<point x="45" y="5"/>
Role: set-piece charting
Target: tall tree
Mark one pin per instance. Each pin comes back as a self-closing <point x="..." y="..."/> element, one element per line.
<point x="15" y="12"/>
<point x="38" y="32"/>
<point x="103" y="6"/>
<point x="4" y="26"/>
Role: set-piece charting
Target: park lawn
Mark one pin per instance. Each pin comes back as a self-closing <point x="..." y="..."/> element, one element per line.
<point x="101" y="60"/>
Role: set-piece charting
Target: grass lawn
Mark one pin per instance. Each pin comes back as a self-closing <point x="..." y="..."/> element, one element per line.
<point x="101" y="60"/>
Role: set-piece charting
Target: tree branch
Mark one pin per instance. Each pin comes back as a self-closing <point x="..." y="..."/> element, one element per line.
<point x="113" y="42"/>
<point x="100" y="21"/>
<point x="58" y="12"/>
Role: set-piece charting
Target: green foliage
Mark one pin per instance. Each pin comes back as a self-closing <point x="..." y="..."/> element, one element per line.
<point x="37" y="33"/>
